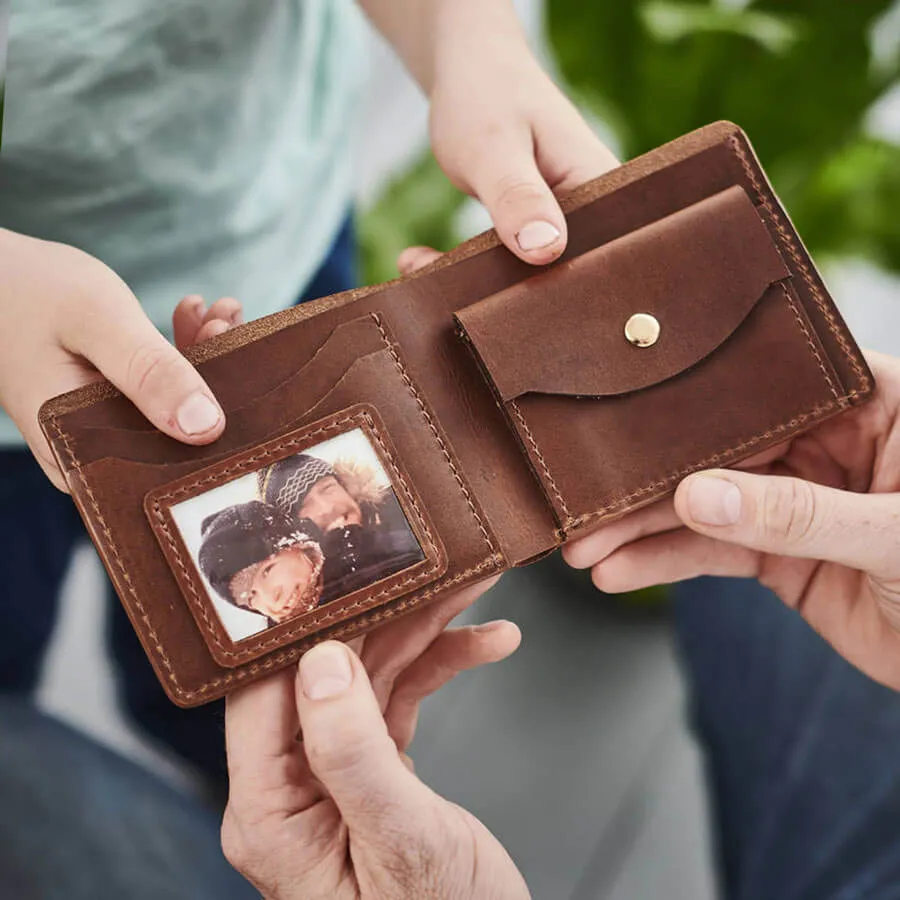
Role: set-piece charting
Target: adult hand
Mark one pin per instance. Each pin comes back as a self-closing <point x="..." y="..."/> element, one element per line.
<point x="339" y="813"/>
<point x="66" y="319"/>
<point x="816" y="519"/>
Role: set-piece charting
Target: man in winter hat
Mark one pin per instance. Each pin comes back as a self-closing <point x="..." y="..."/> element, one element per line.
<point x="366" y="535"/>
<point x="307" y="487"/>
<point x="257" y="559"/>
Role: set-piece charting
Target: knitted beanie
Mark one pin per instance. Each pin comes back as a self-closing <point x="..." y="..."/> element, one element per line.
<point x="237" y="539"/>
<point x="286" y="483"/>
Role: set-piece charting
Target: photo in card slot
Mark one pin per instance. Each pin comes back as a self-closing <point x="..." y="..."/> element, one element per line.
<point x="297" y="534"/>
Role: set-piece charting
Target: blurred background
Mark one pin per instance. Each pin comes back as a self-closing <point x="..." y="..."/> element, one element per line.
<point x="576" y="752"/>
<point x="4" y="30"/>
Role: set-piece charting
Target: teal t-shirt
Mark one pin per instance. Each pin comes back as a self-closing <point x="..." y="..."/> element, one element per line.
<point x="195" y="146"/>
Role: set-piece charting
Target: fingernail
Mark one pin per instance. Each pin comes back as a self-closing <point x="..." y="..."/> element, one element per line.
<point x="714" y="501"/>
<point x="488" y="627"/>
<point x="537" y="235"/>
<point x="325" y="671"/>
<point x="237" y="318"/>
<point x="198" y="414"/>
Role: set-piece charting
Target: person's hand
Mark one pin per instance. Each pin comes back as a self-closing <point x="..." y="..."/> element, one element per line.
<point x="504" y="133"/>
<point x="816" y="519"/>
<point x="66" y="319"/>
<point x="193" y="323"/>
<point x="341" y="814"/>
<point x="323" y="800"/>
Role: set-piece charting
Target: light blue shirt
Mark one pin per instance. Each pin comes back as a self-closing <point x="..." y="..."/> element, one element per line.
<point x="195" y="146"/>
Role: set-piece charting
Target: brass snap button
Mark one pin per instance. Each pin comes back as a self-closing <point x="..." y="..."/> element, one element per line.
<point x="642" y="330"/>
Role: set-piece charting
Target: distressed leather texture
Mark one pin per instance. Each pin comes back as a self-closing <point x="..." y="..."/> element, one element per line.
<point x="514" y="412"/>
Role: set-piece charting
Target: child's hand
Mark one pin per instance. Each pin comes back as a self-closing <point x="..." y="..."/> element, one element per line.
<point x="66" y="319"/>
<point x="193" y="323"/>
<point x="503" y="131"/>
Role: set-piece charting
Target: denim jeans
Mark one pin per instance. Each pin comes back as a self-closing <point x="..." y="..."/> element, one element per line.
<point x="78" y="822"/>
<point x="801" y="749"/>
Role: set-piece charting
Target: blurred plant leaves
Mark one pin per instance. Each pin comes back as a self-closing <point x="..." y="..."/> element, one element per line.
<point x="798" y="75"/>
<point x="674" y="21"/>
<point x="417" y="208"/>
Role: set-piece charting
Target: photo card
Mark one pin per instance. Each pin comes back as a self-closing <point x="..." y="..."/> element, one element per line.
<point x="296" y="534"/>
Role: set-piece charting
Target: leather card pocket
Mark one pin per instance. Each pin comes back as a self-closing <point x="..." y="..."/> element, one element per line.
<point x="264" y="414"/>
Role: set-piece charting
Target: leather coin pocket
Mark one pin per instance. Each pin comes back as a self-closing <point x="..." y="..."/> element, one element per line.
<point x="679" y="346"/>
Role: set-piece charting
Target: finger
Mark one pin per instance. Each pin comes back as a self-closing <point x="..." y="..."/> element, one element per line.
<point x="348" y="745"/>
<point x="265" y="764"/>
<point x="187" y="319"/>
<point x="227" y="309"/>
<point x="390" y="649"/>
<point x="452" y="652"/>
<point x="211" y="329"/>
<point x="124" y="345"/>
<point x="793" y="517"/>
<point x="591" y="549"/>
<point x="504" y="175"/>
<point x="414" y="258"/>
<point x="667" y="558"/>
<point x="567" y="150"/>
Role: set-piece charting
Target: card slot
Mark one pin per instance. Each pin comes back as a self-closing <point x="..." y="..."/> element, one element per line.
<point x="252" y="422"/>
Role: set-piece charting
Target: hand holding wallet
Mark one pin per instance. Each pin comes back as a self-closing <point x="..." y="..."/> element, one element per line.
<point x="390" y="444"/>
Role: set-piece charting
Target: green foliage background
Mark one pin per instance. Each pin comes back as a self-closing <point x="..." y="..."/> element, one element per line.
<point x="798" y="75"/>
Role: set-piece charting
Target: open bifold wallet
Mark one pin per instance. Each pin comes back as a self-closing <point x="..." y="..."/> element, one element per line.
<point x="390" y="444"/>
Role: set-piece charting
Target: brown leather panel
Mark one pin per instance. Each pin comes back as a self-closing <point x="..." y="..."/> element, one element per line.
<point x="112" y="491"/>
<point x="698" y="272"/>
<point x="600" y="457"/>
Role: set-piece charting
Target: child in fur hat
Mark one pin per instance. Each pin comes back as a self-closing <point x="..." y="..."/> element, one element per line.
<point x="258" y="559"/>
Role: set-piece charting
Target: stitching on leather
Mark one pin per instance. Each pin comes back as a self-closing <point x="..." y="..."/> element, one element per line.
<point x="296" y="651"/>
<point x="253" y="647"/>
<point x="667" y="480"/>
<point x="377" y="615"/>
<point x="809" y="340"/>
<point x="437" y="435"/>
<point x="541" y="460"/>
<point x="787" y="241"/>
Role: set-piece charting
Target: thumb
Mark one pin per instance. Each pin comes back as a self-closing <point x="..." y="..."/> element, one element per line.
<point x="525" y="213"/>
<point x="794" y="517"/>
<point x="348" y="746"/>
<point x="126" y="347"/>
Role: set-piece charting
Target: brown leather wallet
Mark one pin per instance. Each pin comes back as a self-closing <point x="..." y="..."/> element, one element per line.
<point x="392" y="443"/>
